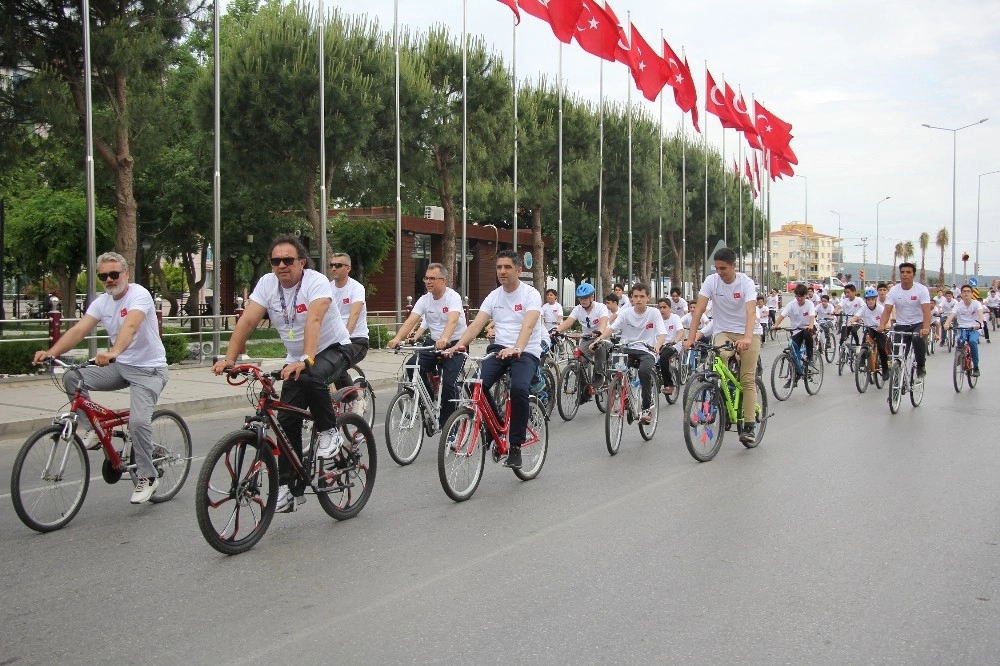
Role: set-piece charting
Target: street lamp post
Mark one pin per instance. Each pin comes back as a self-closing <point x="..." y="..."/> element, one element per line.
<point x="877" y="271"/>
<point x="840" y="241"/>
<point x="808" y="254"/>
<point x="954" y="178"/>
<point x="979" y="193"/>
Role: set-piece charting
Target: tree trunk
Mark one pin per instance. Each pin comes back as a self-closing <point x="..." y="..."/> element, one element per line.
<point x="66" y="284"/>
<point x="923" y="274"/>
<point x="646" y="262"/>
<point x="156" y="269"/>
<point x="124" y="193"/>
<point x="312" y="213"/>
<point x="448" y="204"/>
<point x="538" y="268"/>
<point x="941" y="271"/>
<point x="612" y="234"/>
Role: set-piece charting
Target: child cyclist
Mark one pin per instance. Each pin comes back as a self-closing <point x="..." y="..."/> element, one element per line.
<point x="639" y="324"/>
<point x="801" y="314"/>
<point x="593" y="318"/>
<point x="869" y="316"/>
<point x="968" y="313"/>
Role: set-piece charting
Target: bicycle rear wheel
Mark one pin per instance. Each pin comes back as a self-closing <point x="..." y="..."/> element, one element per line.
<point x="760" y="415"/>
<point x="704" y="420"/>
<point x="862" y="377"/>
<point x="570" y="386"/>
<point x="461" y="456"/>
<point x="171" y="453"/>
<point x="829" y="347"/>
<point x="895" y="386"/>
<point x="614" y="418"/>
<point x="236" y="493"/>
<point x="364" y="406"/>
<point x="548" y="396"/>
<point x="404" y="428"/>
<point x="958" y="369"/>
<point x="842" y="360"/>
<point x="49" y="480"/>
<point x="534" y="450"/>
<point x="782" y="377"/>
<point x="648" y="430"/>
<point x="675" y="374"/>
<point x="814" y="375"/>
<point x="348" y="479"/>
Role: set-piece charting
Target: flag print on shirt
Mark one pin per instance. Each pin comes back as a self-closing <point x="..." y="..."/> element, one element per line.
<point x="124" y="312"/>
<point x="346" y="301"/>
<point x="444" y="310"/>
<point x="518" y="308"/>
<point x="649" y="325"/>
<point x="301" y="307"/>
<point x="737" y="295"/>
<point x="913" y="298"/>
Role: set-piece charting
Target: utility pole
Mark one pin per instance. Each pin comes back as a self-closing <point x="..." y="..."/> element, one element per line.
<point x="864" y="253"/>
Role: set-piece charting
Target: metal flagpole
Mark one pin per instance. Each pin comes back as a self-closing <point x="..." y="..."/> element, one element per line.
<point x="89" y="141"/>
<point x="600" y="175"/>
<point x="628" y="280"/>
<point x="399" y="167"/>
<point x="684" y="195"/>
<point x="739" y="158"/>
<point x="514" y="80"/>
<point x="465" y="146"/>
<point x="725" y="190"/>
<point x="323" y="254"/>
<point x="659" y="236"/>
<point x="216" y="191"/>
<point x="705" y="264"/>
<point x="559" y="271"/>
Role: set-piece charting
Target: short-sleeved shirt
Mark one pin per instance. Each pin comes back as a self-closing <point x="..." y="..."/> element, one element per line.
<point x="636" y="327"/>
<point x="551" y="312"/>
<point x="287" y="309"/>
<point x="434" y="313"/>
<point x="678" y="307"/>
<point x="798" y="315"/>
<point x="907" y="303"/>
<point x="146" y="349"/>
<point x="590" y="321"/>
<point x="729" y="311"/>
<point x="993" y="300"/>
<point x="773" y="301"/>
<point x="508" y="309"/>
<point x="824" y="311"/>
<point x="967" y="316"/>
<point x="946" y="307"/>
<point x="344" y="298"/>
<point x="850" y="306"/>
<point x="671" y="326"/>
<point x="871" y="317"/>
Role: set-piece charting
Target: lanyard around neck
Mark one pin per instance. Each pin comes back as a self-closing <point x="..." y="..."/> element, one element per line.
<point x="295" y="297"/>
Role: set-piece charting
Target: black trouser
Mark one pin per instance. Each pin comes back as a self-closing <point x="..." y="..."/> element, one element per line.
<point x="919" y="347"/>
<point x="645" y="362"/>
<point x="522" y="375"/>
<point x="310" y="390"/>
<point x="666" y="353"/>
<point x="805" y="336"/>
<point x="448" y="368"/>
<point x="356" y="351"/>
<point x="881" y="345"/>
<point x="849" y="328"/>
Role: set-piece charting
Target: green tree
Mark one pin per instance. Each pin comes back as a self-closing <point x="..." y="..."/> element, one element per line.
<point x="367" y="241"/>
<point x="925" y="241"/>
<point x="941" y="240"/>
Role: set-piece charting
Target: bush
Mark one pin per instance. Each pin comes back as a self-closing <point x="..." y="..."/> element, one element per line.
<point x="175" y="345"/>
<point x="15" y="357"/>
<point x="379" y="336"/>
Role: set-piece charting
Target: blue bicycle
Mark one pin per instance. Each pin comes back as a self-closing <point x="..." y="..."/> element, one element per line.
<point x="791" y="365"/>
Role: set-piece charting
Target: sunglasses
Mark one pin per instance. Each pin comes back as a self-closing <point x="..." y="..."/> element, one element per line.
<point x="288" y="261"/>
<point x="334" y="264"/>
<point x="111" y="274"/>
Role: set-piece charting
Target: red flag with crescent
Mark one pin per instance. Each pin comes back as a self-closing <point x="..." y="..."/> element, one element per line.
<point x="715" y="102"/>
<point x="649" y="71"/>
<point x="561" y="15"/>
<point x="596" y="32"/>
<point x="685" y="92"/>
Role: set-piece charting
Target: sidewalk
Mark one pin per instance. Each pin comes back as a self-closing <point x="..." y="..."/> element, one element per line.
<point x="29" y="403"/>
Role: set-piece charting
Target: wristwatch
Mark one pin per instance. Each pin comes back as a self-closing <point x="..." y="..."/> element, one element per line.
<point x="307" y="359"/>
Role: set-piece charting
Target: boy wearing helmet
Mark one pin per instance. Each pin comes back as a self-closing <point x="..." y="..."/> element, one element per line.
<point x="593" y="318"/>
<point x="869" y="316"/>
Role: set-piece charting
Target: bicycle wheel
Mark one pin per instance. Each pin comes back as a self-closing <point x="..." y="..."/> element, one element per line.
<point x="760" y="415"/>
<point x="236" y="493"/>
<point x="614" y="418"/>
<point x="675" y="374"/>
<point x="601" y="397"/>
<point x="404" y="428"/>
<point x="916" y="387"/>
<point x="895" y="386"/>
<point x="365" y="404"/>
<point x="648" y="430"/>
<point x="829" y="347"/>
<point x="971" y="378"/>
<point x="862" y="377"/>
<point x="842" y="361"/>
<point x="568" y="399"/>
<point x="704" y="420"/>
<point x="50" y="479"/>
<point x="460" y="456"/>
<point x="930" y="343"/>
<point x="533" y="451"/>
<point x="348" y="479"/>
<point x="782" y="377"/>
<point x="500" y="391"/>
<point x="548" y="396"/>
<point x="958" y="369"/>
<point x="171" y="453"/>
<point x="814" y="375"/>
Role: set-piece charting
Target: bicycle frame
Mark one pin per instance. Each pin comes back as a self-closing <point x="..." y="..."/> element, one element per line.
<point x="728" y="383"/>
<point x="417" y="384"/>
<point x="484" y="416"/>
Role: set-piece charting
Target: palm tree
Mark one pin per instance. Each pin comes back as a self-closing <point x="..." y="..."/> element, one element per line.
<point x="896" y="253"/>
<point x="925" y="240"/>
<point x="908" y="251"/>
<point x="942" y="242"/>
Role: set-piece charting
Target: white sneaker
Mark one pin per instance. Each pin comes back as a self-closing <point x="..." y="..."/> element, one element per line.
<point x="92" y="442"/>
<point x="144" y="490"/>
<point x="328" y="443"/>
<point x="287" y="503"/>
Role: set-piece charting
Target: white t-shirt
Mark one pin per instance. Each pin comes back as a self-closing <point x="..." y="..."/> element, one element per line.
<point x="434" y="313"/>
<point x="730" y="301"/>
<point x="907" y="303"/>
<point x="772" y="302"/>
<point x="946" y="307"/>
<point x="590" y="321"/>
<point x="824" y="311"/>
<point x="345" y="297"/>
<point x="290" y="319"/>
<point x="146" y="349"/>
<point x="508" y="310"/>
<point x="678" y="307"/>
<point x="672" y="325"/>
<point x="967" y="316"/>
<point x="551" y="312"/>
<point x="686" y="321"/>
<point x="635" y="327"/>
<point x="871" y="317"/>
<point x="798" y="315"/>
<point x="992" y="300"/>
<point x="853" y="306"/>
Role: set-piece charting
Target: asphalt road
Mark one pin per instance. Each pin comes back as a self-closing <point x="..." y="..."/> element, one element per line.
<point x="848" y="536"/>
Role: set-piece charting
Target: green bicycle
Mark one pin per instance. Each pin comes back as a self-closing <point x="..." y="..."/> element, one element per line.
<point x="714" y="403"/>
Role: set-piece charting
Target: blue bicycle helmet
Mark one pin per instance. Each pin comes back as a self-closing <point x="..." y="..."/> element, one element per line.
<point x="584" y="290"/>
<point x="871" y="293"/>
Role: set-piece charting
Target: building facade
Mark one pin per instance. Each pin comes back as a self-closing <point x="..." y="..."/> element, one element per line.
<point x="800" y="253"/>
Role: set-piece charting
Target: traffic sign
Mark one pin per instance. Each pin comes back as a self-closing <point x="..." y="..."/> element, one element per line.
<point x="528" y="260"/>
<point x="973" y="282"/>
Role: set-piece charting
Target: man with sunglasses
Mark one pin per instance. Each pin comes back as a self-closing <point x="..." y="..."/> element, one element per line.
<point x="136" y="360"/>
<point x="349" y="301"/>
<point x="297" y="299"/>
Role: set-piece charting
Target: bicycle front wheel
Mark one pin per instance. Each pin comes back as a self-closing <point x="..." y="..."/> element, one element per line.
<point x="814" y="374"/>
<point x="829" y="347"/>
<point x="404" y="429"/>
<point x="570" y="386"/>
<point x="171" y="453"/>
<point x="533" y="451"/>
<point x="916" y="387"/>
<point x="704" y="420"/>
<point x="782" y="377"/>
<point x="236" y="493"/>
<point x="50" y="479"/>
<point x="614" y="418"/>
<point x="842" y="361"/>
<point x="461" y="456"/>
<point x="895" y="386"/>
<point x="675" y="374"/>
<point x="958" y="370"/>
<point x="862" y="376"/>
<point x="347" y="480"/>
<point x="648" y="430"/>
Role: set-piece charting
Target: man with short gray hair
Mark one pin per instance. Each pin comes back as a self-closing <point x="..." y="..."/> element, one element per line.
<point x="349" y="302"/>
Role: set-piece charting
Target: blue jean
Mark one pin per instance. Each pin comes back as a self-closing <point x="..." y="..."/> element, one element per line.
<point x="522" y="373"/>
<point x="973" y="338"/>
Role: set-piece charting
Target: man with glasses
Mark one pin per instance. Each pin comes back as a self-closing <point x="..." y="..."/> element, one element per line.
<point x="136" y="360"/>
<point x="297" y="300"/>
<point x="349" y="301"/>
<point x="441" y="310"/>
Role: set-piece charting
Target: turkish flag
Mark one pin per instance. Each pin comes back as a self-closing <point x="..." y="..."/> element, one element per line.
<point x="740" y="112"/>
<point x="685" y="92"/>
<point x="513" y="7"/>
<point x="774" y="133"/>
<point x="780" y="167"/>
<point x="649" y="71"/>
<point x="623" y="48"/>
<point x="561" y="15"/>
<point x="301" y="307"/>
<point x="596" y="32"/>
<point x="715" y="103"/>
<point x="746" y="170"/>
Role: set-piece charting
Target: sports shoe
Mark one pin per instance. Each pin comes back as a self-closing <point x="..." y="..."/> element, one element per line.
<point x="92" y="442"/>
<point x="598" y="382"/>
<point x="646" y="417"/>
<point x="921" y="372"/>
<point x="749" y="434"/>
<point x="287" y="503"/>
<point x="328" y="443"/>
<point x="975" y="372"/>
<point x="513" y="457"/>
<point x="667" y="390"/>
<point x="885" y="374"/>
<point x="144" y="490"/>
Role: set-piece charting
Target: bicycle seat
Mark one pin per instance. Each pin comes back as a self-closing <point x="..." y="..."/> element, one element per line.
<point x="346" y="394"/>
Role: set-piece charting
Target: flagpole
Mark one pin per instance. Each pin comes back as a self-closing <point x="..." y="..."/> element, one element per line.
<point x="705" y="265"/>
<point x="739" y="153"/>
<point x="684" y="198"/>
<point x="659" y="236"/>
<point x="514" y="80"/>
<point x="725" y="190"/>
<point x="465" y="147"/>
<point x="216" y="182"/>
<point x="631" y="41"/>
<point x="322" y="142"/>
<point x="89" y="158"/>
<point x="399" y="173"/>
<point x="600" y="176"/>
<point x="559" y="272"/>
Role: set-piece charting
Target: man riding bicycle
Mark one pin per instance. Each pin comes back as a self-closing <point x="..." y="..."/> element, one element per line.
<point x="442" y="312"/>
<point x="851" y="305"/>
<point x="349" y="302"/>
<point x="297" y="299"/>
<point x="911" y="301"/>
<point x="515" y="308"/>
<point x="801" y="315"/>
<point x="136" y="360"/>
<point x="593" y="318"/>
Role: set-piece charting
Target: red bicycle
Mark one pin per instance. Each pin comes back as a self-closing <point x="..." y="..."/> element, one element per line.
<point x="51" y="472"/>
<point x="461" y="461"/>
<point x="238" y="485"/>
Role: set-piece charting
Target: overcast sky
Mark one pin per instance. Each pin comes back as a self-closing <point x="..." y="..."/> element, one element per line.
<point x="856" y="79"/>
